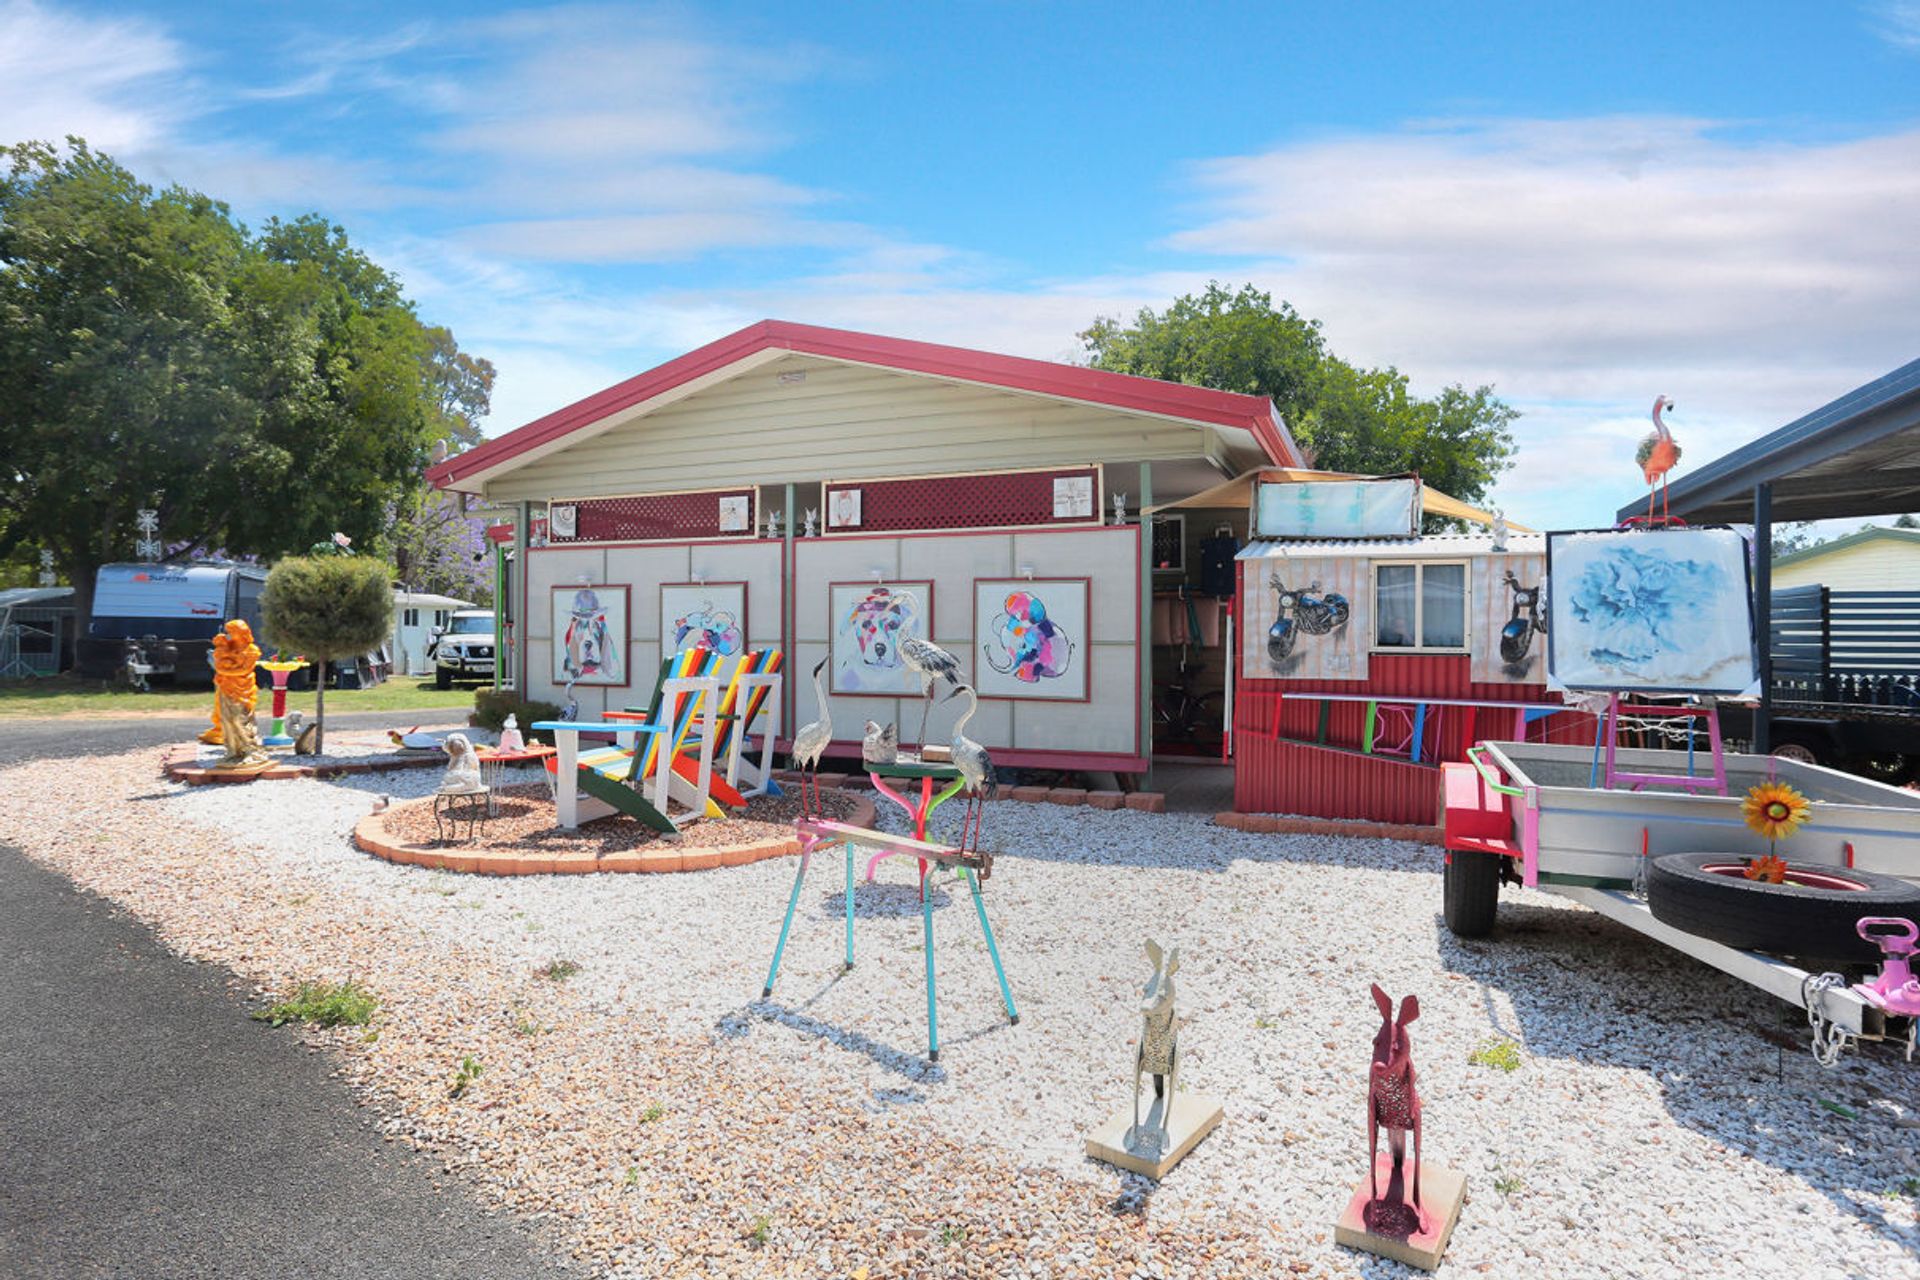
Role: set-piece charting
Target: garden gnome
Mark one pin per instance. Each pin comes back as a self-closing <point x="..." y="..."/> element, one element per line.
<point x="234" y="654"/>
<point x="1159" y="1052"/>
<point x="510" y="739"/>
<point x="463" y="768"/>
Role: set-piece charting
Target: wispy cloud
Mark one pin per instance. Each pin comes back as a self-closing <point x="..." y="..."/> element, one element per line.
<point x="64" y="74"/>
<point x="1897" y="22"/>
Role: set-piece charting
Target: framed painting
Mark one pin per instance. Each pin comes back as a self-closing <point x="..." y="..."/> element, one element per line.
<point x="866" y="624"/>
<point x="711" y="615"/>
<point x="590" y="635"/>
<point x="1030" y="638"/>
<point x="1665" y="610"/>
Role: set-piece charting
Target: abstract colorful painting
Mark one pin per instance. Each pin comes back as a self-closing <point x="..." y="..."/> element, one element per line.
<point x="703" y="615"/>
<point x="590" y="635"/>
<point x="1664" y="609"/>
<point x="1030" y="638"/>
<point x="866" y="623"/>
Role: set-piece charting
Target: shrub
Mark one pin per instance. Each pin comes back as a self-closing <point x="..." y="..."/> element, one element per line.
<point x="327" y="607"/>
<point x="491" y="707"/>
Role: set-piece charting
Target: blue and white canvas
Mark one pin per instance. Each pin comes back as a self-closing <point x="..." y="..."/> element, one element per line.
<point x="1650" y="610"/>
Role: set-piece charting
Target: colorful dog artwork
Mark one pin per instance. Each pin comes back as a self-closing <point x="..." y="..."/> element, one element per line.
<point x="589" y="635"/>
<point x="868" y="622"/>
<point x="1026" y="634"/>
<point x="703" y="616"/>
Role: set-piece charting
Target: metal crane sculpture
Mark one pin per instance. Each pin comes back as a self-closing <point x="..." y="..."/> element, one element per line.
<point x="974" y="765"/>
<point x="930" y="662"/>
<point x="810" y="743"/>
<point x="1657" y="455"/>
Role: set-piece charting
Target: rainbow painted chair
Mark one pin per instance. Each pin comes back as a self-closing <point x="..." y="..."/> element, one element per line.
<point x="753" y="691"/>
<point x="650" y="753"/>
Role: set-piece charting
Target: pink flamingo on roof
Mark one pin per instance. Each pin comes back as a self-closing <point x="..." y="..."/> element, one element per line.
<point x="1656" y="456"/>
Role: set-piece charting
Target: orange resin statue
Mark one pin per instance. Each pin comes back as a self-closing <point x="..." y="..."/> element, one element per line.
<point x="234" y="654"/>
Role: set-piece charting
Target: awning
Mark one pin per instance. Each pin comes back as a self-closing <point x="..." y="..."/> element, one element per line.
<point x="1238" y="492"/>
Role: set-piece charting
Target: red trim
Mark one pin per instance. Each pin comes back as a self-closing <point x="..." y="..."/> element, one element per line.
<point x="1256" y="414"/>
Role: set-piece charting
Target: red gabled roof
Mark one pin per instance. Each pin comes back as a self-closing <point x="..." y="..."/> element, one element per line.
<point x="1016" y="373"/>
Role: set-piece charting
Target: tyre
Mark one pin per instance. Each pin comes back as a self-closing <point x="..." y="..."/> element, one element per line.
<point x="442" y="678"/>
<point x="1280" y="640"/>
<point x="1796" y="750"/>
<point x="1470" y="888"/>
<point x="1515" y="640"/>
<point x="1339" y="611"/>
<point x="1811" y="917"/>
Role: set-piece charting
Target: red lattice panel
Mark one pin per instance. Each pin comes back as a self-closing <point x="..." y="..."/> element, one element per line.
<point x="654" y="517"/>
<point x="1005" y="500"/>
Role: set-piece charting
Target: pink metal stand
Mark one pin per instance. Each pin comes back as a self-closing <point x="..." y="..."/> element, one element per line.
<point x="1690" y="781"/>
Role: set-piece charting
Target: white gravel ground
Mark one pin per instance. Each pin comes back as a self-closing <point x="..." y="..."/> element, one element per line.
<point x="1655" y="1126"/>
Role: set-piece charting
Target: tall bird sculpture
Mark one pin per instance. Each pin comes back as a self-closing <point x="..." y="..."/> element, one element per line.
<point x="810" y="742"/>
<point x="930" y="662"/>
<point x="1656" y="456"/>
<point x="975" y="766"/>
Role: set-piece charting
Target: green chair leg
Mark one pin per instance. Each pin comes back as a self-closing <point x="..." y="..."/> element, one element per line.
<point x="792" y="902"/>
<point x="993" y="950"/>
<point x="933" y="1018"/>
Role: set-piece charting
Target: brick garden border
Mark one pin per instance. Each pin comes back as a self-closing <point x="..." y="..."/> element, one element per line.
<point x="1281" y="824"/>
<point x="180" y="765"/>
<point x="1140" y="801"/>
<point x="370" y="835"/>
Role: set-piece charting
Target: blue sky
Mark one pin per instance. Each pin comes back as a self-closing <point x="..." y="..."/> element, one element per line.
<point x="1584" y="205"/>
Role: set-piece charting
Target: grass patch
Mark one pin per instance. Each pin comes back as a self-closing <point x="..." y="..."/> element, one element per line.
<point x="652" y="1113"/>
<point x="464" y="1075"/>
<point x="557" y="970"/>
<point x="1501" y="1055"/>
<point x="953" y="1233"/>
<point x="323" y="1004"/>
<point x="760" y="1232"/>
<point x="633" y="1175"/>
<point x="1508" y="1183"/>
<point x="68" y="695"/>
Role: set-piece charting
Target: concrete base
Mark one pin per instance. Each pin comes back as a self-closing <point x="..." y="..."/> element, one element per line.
<point x="1194" y="1116"/>
<point x="1391" y="1227"/>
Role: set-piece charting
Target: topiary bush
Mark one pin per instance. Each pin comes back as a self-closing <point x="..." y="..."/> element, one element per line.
<point x="327" y="607"/>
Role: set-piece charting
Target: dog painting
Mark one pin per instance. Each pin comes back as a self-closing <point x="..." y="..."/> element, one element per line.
<point x="868" y="621"/>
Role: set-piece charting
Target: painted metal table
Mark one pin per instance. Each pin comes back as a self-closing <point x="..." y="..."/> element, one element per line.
<point x="494" y="764"/>
<point x="919" y="809"/>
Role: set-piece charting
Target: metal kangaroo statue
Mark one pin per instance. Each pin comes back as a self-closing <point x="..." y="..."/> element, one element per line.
<point x="1391" y="1100"/>
<point x="1159" y="1052"/>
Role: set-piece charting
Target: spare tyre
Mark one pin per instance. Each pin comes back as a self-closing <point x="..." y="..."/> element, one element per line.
<point x="1812" y="917"/>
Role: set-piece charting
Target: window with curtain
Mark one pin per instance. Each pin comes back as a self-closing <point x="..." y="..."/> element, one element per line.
<point x="1420" y="606"/>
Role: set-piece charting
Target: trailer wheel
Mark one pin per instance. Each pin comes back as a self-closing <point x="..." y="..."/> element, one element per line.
<point x="1812" y="916"/>
<point x="1470" y="892"/>
<point x="1796" y="750"/>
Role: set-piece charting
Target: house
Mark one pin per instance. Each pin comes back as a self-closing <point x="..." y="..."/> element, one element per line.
<point x="824" y="491"/>
<point x="1876" y="558"/>
<point x="417" y="617"/>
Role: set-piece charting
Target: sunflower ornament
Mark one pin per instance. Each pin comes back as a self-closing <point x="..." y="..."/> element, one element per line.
<point x="1774" y="810"/>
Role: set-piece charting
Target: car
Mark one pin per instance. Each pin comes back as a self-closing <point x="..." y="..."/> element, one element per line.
<point x="463" y="650"/>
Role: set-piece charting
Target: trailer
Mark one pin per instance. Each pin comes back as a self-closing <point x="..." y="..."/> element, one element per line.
<point x="1540" y="815"/>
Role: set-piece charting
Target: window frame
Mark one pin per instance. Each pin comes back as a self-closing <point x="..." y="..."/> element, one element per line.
<point x="1419" y="606"/>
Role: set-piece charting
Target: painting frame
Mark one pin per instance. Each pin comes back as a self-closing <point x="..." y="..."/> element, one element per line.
<point x="563" y="604"/>
<point x="1717" y="559"/>
<point x="908" y="684"/>
<point x="1071" y="612"/>
<point x="679" y="599"/>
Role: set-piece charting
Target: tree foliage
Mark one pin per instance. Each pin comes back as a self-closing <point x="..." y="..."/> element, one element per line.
<point x="260" y="391"/>
<point x="1346" y="417"/>
<point x="327" y="607"/>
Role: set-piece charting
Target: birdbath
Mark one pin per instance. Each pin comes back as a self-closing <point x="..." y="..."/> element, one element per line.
<point x="279" y="669"/>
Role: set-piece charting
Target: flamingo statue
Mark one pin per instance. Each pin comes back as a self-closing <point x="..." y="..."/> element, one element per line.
<point x="975" y="766"/>
<point x="930" y="662"/>
<point x="1656" y="456"/>
<point x="810" y="742"/>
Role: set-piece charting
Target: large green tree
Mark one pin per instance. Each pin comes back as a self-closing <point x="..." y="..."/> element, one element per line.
<point x="258" y="390"/>
<point x="1348" y="418"/>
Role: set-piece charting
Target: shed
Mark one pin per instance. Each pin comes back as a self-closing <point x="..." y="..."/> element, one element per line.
<point x="1877" y="558"/>
<point x="951" y="491"/>
<point x="417" y="617"/>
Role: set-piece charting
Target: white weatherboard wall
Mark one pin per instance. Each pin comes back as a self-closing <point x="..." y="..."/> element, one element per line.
<point x="642" y="569"/>
<point x="1877" y="564"/>
<point x="1108" y="723"/>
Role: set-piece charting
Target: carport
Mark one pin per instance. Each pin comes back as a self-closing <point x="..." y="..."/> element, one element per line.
<point x="1856" y="456"/>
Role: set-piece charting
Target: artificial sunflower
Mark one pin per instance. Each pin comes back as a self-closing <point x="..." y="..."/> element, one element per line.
<point x="1774" y="809"/>
<point x="1770" y="869"/>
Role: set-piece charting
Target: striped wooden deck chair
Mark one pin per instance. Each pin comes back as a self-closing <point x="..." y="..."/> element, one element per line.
<point x="757" y="676"/>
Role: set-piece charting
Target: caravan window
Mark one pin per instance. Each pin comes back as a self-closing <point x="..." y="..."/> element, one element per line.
<point x="409" y="617"/>
<point x="1420" y="606"/>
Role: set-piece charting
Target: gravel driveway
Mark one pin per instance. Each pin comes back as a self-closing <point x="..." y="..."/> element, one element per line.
<point x="1662" y="1119"/>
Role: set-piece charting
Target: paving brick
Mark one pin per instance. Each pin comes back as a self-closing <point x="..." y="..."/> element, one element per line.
<point x="1031" y="795"/>
<point x="1106" y="799"/>
<point x="1067" y="796"/>
<point x="1147" y="801"/>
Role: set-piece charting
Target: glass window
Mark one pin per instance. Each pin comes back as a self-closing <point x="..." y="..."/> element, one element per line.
<point x="1395" y="605"/>
<point x="410" y="618"/>
<point x="1420" y="606"/>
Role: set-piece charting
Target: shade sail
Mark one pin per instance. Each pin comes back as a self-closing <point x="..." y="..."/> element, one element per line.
<point x="1238" y="492"/>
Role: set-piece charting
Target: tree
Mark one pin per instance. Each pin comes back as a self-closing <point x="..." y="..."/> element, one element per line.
<point x="1907" y="521"/>
<point x="258" y="391"/>
<point x="326" y="607"/>
<point x="1346" y="418"/>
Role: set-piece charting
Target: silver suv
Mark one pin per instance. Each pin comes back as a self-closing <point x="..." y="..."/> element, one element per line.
<point x="464" y="651"/>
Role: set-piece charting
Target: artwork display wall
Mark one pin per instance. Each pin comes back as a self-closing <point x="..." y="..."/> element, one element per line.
<point x="1306" y="617"/>
<point x="1509" y="615"/>
<point x="709" y="615"/>
<point x="1030" y="638"/>
<point x="868" y="621"/>
<point x="589" y="635"/>
<point x="1647" y="610"/>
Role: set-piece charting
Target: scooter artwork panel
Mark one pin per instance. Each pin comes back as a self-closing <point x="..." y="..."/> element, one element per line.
<point x="1508" y="635"/>
<point x="1307" y="618"/>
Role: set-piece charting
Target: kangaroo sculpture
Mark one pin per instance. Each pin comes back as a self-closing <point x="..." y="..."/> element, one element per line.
<point x="1159" y="1052"/>
<point x="1391" y="1100"/>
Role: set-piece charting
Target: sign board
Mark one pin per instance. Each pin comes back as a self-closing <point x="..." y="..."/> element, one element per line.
<point x="1338" y="509"/>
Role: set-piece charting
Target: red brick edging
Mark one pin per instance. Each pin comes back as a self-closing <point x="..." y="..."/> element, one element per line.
<point x="1276" y="824"/>
<point x="178" y="762"/>
<point x="1140" y="801"/>
<point x="370" y="834"/>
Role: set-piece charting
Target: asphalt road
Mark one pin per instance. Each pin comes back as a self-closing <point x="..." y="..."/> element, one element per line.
<point x="149" y="1129"/>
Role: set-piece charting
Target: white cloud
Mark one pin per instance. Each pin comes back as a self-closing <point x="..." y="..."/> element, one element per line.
<point x="64" y="74"/>
<point x="1898" y="23"/>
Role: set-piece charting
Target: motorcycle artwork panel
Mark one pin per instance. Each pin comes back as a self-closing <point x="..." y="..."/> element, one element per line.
<point x="1307" y="617"/>
<point x="1508" y="636"/>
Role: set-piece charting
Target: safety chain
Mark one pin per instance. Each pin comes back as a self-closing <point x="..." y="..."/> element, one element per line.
<point x="1830" y="1039"/>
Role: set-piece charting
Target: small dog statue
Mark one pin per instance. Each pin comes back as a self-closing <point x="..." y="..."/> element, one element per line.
<point x="463" y="768"/>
